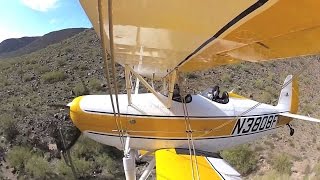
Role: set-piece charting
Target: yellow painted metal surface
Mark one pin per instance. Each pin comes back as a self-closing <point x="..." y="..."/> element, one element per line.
<point x="143" y="152"/>
<point x="158" y="36"/>
<point x="286" y="29"/>
<point x="167" y="128"/>
<point x="159" y="127"/>
<point x="234" y="95"/>
<point x="149" y="126"/>
<point x="295" y="96"/>
<point x="155" y="36"/>
<point x="172" y="166"/>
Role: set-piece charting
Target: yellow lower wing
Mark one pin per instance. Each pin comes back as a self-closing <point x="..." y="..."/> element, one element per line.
<point x="176" y="164"/>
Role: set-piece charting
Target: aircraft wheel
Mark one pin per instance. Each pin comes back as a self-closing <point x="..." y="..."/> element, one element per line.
<point x="291" y="131"/>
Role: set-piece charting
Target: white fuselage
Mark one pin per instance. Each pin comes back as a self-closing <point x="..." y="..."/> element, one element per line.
<point x="152" y="126"/>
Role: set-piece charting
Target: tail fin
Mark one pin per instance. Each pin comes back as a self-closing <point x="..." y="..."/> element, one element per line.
<point x="289" y="96"/>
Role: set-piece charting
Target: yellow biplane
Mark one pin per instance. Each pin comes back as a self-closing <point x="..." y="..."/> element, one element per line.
<point x="161" y="39"/>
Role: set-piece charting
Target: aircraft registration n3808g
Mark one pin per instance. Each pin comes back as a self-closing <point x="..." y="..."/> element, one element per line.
<point x="160" y="40"/>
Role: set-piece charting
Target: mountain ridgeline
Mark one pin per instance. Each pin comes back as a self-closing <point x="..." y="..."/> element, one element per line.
<point x="25" y="45"/>
<point x="14" y="44"/>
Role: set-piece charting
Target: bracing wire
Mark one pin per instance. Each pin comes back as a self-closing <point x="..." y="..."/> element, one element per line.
<point x="114" y="78"/>
<point x="113" y="67"/>
<point x="104" y="54"/>
<point x="191" y="146"/>
<point x="191" y="137"/>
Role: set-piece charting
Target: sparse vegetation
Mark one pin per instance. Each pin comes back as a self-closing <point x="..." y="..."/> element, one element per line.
<point x="308" y="109"/>
<point x="68" y="50"/>
<point x="282" y="163"/>
<point x="95" y="84"/>
<point x="226" y="78"/>
<point x="84" y="168"/>
<point x="42" y="69"/>
<point x="258" y="148"/>
<point x="38" y="167"/>
<point x="266" y="97"/>
<point x="31" y="61"/>
<point x="259" y="84"/>
<point x="307" y="169"/>
<point x="4" y="65"/>
<point x="112" y="167"/>
<point x="61" y="63"/>
<point x="87" y="147"/>
<point x="242" y="158"/>
<point x="273" y="175"/>
<point x="3" y="81"/>
<point x="83" y="67"/>
<point x="55" y="76"/>
<point x="191" y="76"/>
<point x="79" y="90"/>
<point x="8" y="127"/>
<point x="18" y="156"/>
<point x="27" y="78"/>
<point x="63" y="170"/>
<point x="316" y="170"/>
<point x="268" y="143"/>
<point x="291" y="143"/>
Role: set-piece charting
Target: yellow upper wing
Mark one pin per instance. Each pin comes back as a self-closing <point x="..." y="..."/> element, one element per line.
<point x="158" y="36"/>
<point x="176" y="164"/>
<point x="288" y="28"/>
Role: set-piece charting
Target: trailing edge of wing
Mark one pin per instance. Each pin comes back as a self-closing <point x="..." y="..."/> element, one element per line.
<point x="296" y="116"/>
<point x="176" y="164"/>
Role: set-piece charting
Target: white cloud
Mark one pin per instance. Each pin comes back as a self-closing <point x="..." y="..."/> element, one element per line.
<point x="40" y="5"/>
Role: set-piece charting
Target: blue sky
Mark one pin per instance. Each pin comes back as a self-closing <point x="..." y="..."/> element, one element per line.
<point x="20" y="18"/>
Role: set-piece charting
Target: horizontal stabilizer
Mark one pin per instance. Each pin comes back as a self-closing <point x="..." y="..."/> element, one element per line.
<point x="296" y="116"/>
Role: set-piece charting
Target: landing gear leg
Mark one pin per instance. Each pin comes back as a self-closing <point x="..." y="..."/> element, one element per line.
<point x="291" y="129"/>
<point x="129" y="161"/>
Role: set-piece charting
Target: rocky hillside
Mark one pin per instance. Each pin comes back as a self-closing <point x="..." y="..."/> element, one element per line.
<point x="32" y="82"/>
<point x="25" y="45"/>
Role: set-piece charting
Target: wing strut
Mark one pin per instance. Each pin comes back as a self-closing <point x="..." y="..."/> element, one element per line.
<point x="136" y="89"/>
<point x="128" y="83"/>
<point x="172" y="79"/>
<point x="146" y="173"/>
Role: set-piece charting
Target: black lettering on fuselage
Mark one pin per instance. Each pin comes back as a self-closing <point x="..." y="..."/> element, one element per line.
<point x="269" y="123"/>
<point x="249" y="125"/>
<point x="254" y="124"/>
<point x="238" y="126"/>
<point x="263" y="123"/>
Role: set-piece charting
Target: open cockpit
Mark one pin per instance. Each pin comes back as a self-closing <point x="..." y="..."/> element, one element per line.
<point x="213" y="93"/>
